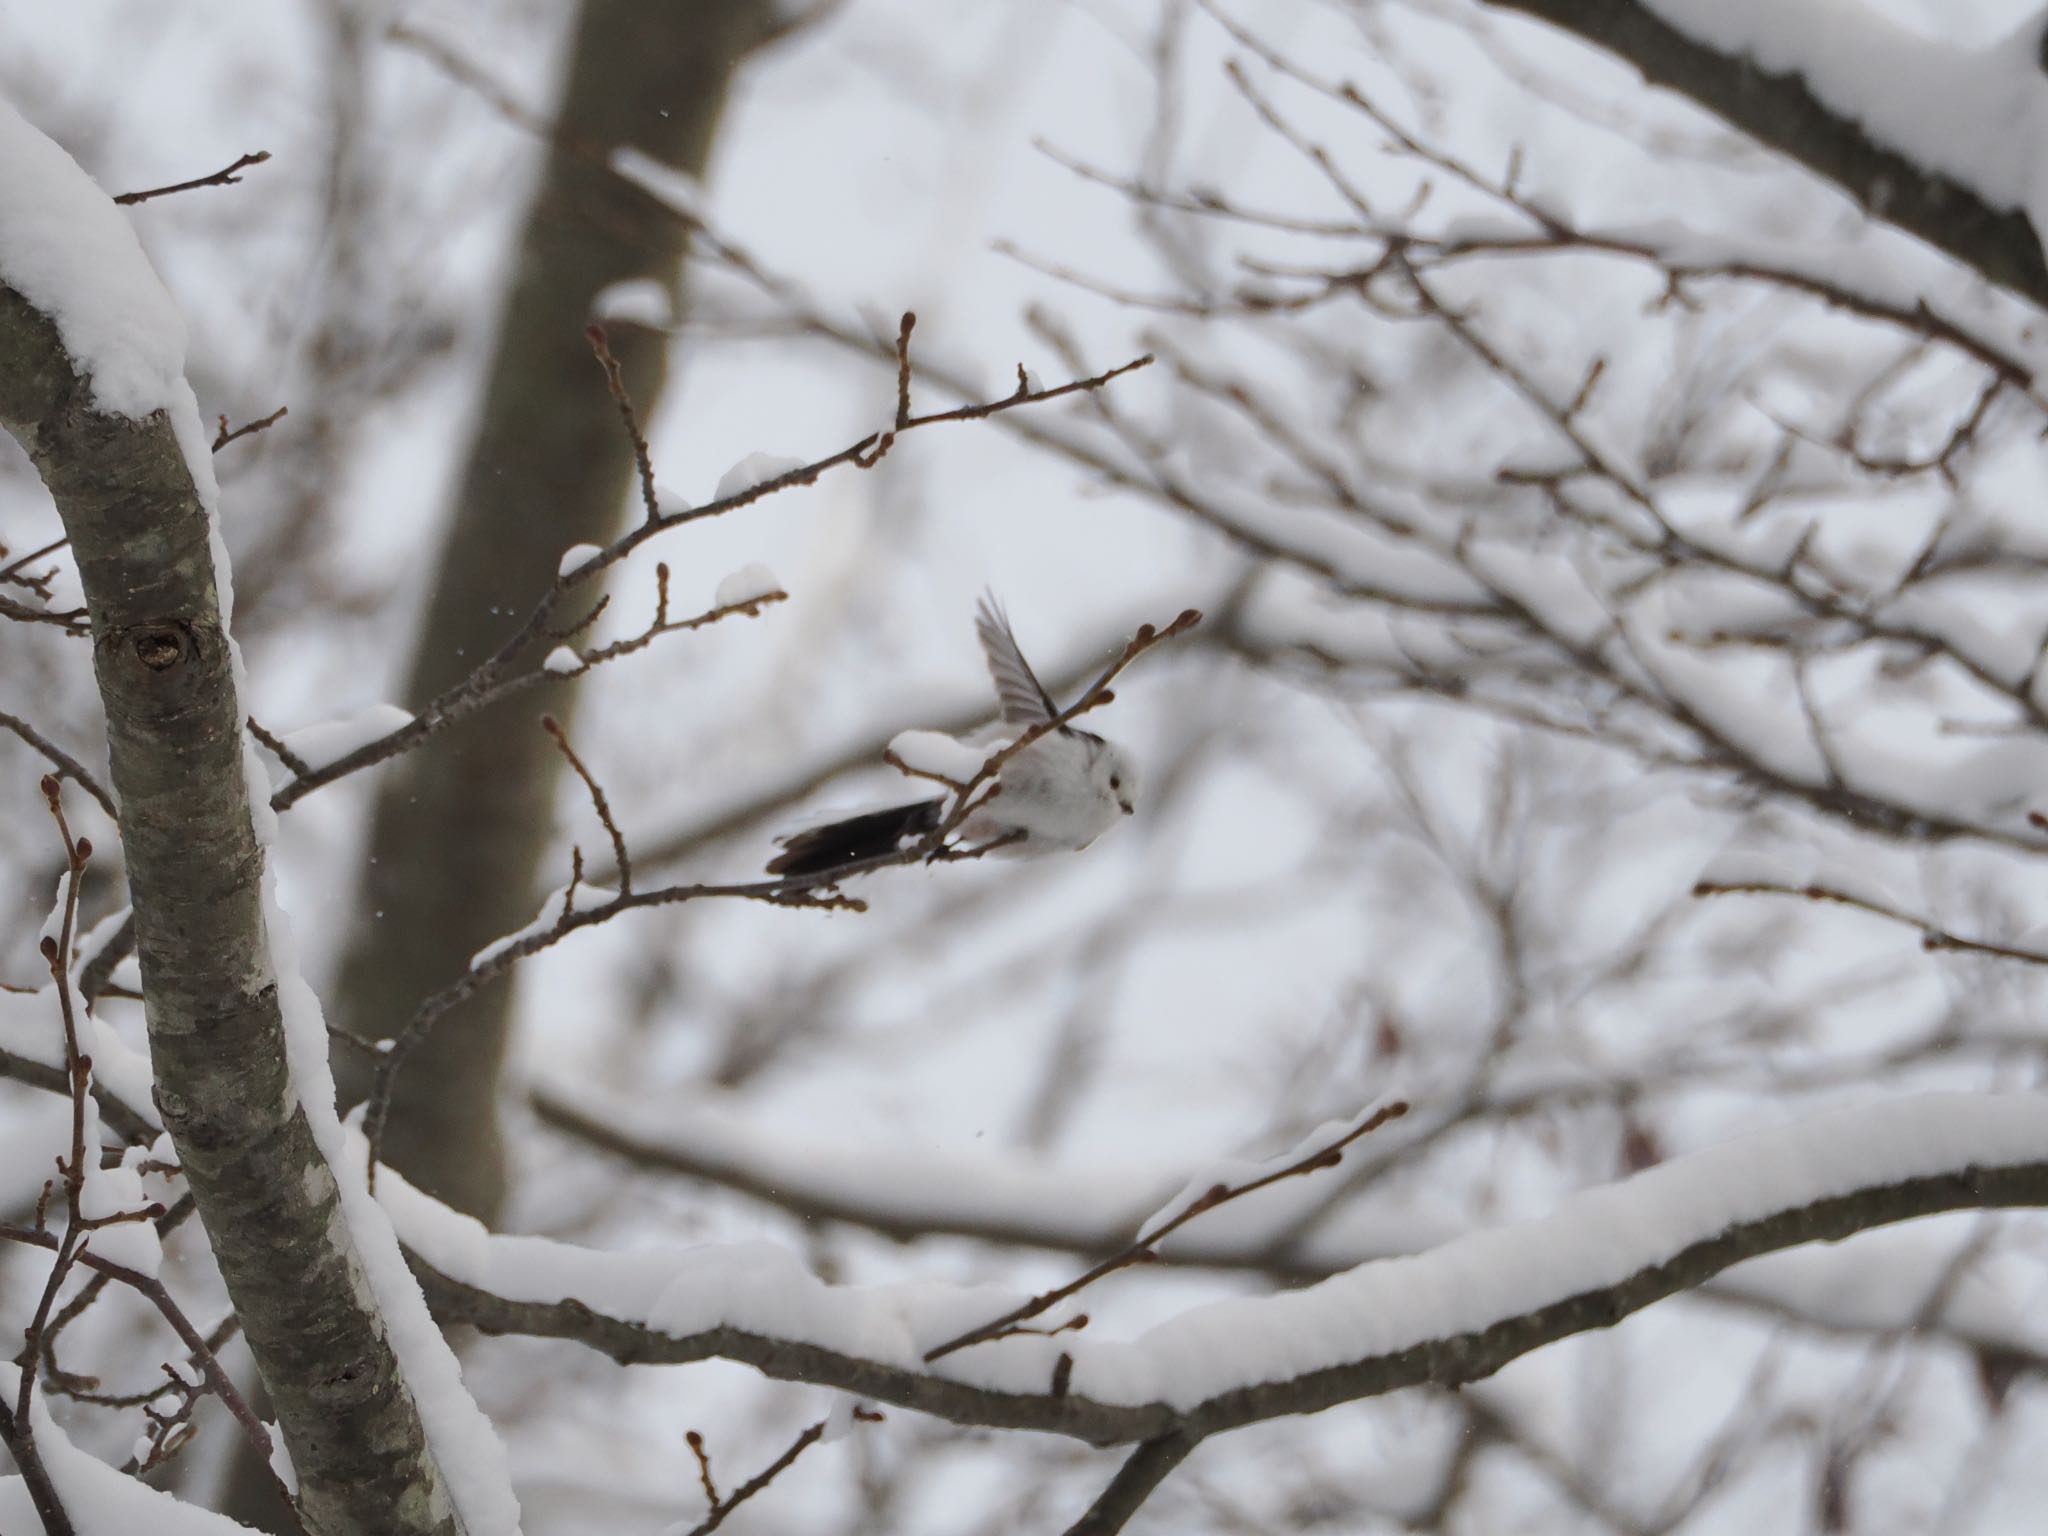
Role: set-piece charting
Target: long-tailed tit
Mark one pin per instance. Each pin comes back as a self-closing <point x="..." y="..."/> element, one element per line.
<point x="1059" y="793"/>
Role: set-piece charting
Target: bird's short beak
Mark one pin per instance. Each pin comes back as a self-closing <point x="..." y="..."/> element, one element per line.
<point x="1126" y="807"/>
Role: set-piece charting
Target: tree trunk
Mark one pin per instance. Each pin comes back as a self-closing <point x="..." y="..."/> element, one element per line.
<point x="268" y="1199"/>
<point x="459" y="829"/>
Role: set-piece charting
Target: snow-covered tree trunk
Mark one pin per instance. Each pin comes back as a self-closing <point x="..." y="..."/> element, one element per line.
<point x="140" y="529"/>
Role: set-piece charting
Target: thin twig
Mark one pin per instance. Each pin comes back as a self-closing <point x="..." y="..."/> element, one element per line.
<point x="1932" y="935"/>
<point x="181" y="1211"/>
<point x="98" y="972"/>
<point x="56" y="950"/>
<point x="720" y="1509"/>
<point x="615" y="381"/>
<point x="12" y="571"/>
<point x="695" y="1441"/>
<point x="152" y="1290"/>
<point x="73" y="621"/>
<point x="1144" y="1248"/>
<point x="598" y="802"/>
<point x="903" y="330"/>
<point x="754" y="1485"/>
<point x="224" y="177"/>
<point x="62" y="761"/>
<point x="663" y="625"/>
<point x="293" y="763"/>
<point x="248" y="429"/>
<point x="494" y="678"/>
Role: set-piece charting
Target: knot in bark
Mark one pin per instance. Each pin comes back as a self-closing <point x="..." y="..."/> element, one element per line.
<point x="160" y="649"/>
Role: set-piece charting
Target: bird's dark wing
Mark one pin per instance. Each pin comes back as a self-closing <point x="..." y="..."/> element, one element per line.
<point x="1024" y="699"/>
<point x="819" y="850"/>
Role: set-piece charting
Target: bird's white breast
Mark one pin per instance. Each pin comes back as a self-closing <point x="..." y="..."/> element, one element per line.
<point x="1049" y="795"/>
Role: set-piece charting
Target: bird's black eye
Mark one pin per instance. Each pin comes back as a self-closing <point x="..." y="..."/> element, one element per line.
<point x="1115" y="782"/>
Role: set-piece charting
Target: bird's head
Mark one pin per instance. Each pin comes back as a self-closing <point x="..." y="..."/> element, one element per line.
<point x="1115" y="776"/>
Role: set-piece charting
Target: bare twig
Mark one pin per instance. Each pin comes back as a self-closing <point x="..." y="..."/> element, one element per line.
<point x="119" y="1117"/>
<point x="615" y="381"/>
<point x="1144" y="1248"/>
<point x="93" y="980"/>
<point x="226" y="176"/>
<point x="911" y="771"/>
<point x="720" y="1509"/>
<point x="496" y="677"/>
<point x="56" y="950"/>
<point x="89" y="1293"/>
<point x="61" y="760"/>
<point x="1932" y="935"/>
<point x="903" y="330"/>
<point x="249" y="428"/>
<point x="17" y="1424"/>
<point x="695" y="1441"/>
<point x="15" y="570"/>
<point x="293" y="763"/>
<point x="200" y="1353"/>
<point x="72" y="621"/>
<point x="660" y="625"/>
<point x="598" y="802"/>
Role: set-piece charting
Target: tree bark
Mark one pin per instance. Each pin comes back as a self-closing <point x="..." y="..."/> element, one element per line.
<point x="1782" y="112"/>
<point x="458" y="830"/>
<point x="268" y="1199"/>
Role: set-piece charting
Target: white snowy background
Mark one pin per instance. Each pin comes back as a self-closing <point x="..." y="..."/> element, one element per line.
<point x="1338" y="888"/>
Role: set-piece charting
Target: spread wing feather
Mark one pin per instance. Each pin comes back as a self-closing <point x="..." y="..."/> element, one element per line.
<point x="1024" y="699"/>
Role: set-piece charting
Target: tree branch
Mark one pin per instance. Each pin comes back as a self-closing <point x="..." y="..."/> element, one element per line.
<point x="1781" y="110"/>
<point x="63" y="761"/>
<point x="1133" y="1484"/>
<point x="1806" y="1155"/>
<point x="1147" y="1244"/>
<point x="742" y="1159"/>
<point x="19" y="1437"/>
<point x="226" y="176"/>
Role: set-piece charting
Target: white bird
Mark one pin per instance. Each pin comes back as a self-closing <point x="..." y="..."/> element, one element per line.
<point x="1058" y="794"/>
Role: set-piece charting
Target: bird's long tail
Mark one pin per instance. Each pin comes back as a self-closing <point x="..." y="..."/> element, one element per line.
<point x="819" y="850"/>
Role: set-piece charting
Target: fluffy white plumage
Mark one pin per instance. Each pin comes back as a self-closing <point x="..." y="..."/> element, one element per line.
<point x="1068" y="787"/>
<point x="1057" y="794"/>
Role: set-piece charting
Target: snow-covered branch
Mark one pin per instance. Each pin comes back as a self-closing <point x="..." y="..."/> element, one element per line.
<point x="1090" y="1212"/>
<point x="1453" y="1314"/>
<point x="92" y="1496"/>
<point x="1922" y="134"/>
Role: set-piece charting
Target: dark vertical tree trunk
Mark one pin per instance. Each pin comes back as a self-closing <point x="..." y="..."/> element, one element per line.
<point x="459" y="829"/>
